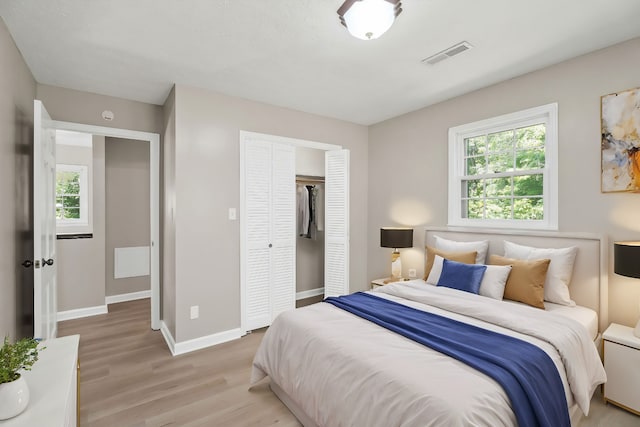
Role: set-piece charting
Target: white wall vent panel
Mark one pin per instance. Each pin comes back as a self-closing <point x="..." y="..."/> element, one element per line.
<point x="130" y="262"/>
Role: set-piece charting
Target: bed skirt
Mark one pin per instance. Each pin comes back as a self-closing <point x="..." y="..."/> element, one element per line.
<point x="304" y="419"/>
<point x="575" y="413"/>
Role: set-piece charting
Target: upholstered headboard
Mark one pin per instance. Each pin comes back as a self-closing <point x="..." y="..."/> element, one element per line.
<point x="588" y="285"/>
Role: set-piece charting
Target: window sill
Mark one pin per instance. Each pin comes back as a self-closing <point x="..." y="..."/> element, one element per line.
<point x="69" y="236"/>
<point x="504" y="225"/>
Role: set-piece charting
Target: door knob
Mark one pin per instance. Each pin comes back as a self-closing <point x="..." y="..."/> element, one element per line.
<point x="47" y="261"/>
<point x="27" y="263"/>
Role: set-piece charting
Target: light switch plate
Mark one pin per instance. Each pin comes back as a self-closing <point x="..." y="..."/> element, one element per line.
<point x="232" y="214"/>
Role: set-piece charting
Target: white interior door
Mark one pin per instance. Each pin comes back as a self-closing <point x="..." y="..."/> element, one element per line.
<point x="336" y="254"/>
<point x="283" y="231"/>
<point x="268" y="226"/>
<point x="256" y="225"/>
<point x="44" y="225"/>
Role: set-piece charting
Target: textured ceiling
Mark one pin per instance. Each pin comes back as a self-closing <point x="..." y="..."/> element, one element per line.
<point x="295" y="54"/>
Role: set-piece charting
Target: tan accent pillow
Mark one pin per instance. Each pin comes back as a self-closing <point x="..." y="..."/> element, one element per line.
<point x="526" y="280"/>
<point x="464" y="257"/>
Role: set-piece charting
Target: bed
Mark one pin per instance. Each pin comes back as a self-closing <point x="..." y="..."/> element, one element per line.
<point x="332" y="368"/>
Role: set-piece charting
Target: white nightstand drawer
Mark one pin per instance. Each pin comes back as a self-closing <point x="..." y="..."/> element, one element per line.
<point x="622" y="364"/>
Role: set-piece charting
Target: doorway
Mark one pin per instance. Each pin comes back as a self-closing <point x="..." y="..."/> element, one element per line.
<point x="153" y="141"/>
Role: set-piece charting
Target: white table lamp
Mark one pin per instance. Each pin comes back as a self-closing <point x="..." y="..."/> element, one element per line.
<point x="396" y="238"/>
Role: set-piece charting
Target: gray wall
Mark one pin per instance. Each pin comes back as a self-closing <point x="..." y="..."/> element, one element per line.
<point x="127" y="207"/>
<point x="81" y="267"/>
<point x="18" y="89"/>
<point x="415" y="194"/>
<point x="82" y="107"/>
<point x="207" y="159"/>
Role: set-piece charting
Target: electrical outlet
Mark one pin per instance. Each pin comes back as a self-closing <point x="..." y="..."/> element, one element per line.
<point x="195" y="312"/>
<point x="412" y="273"/>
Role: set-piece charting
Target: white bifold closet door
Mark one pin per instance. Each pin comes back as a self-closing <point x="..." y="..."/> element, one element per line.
<point x="269" y="231"/>
<point x="268" y="227"/>
<point x="336" y="237"/>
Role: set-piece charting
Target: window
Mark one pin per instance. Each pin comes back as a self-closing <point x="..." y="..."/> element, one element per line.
<point x="72" y="196"/>
<point x="503" y="171"/>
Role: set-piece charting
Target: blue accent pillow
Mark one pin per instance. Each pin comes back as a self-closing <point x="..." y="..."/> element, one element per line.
<point x="463" y="277"/>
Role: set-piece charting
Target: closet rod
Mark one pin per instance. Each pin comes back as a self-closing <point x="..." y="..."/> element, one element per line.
<point x="309" y="178"/>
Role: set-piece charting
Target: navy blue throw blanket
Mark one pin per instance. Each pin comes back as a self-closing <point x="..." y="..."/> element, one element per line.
<point x="525" y="372"/>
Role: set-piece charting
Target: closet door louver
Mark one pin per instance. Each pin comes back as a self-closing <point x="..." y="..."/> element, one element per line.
<point x="268" y="267"/>
<point x="283" y="211"/>
<point x="336" y="261"/>
<point x="257" y="229"/>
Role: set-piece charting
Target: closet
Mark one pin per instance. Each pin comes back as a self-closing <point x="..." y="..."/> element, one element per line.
<point x="309" y="222"/>
<point x="268" y="225"/>
<point x="310" y="191"/>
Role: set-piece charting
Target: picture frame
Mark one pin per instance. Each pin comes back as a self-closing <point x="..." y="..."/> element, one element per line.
<point x="620" y="141"/>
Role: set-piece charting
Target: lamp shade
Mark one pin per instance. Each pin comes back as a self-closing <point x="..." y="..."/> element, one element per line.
<point x="626" y="259"/>
<point x="396" y="237"/>
<point x="369" y="19"/>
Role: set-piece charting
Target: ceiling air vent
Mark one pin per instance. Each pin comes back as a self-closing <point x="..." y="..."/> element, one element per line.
<point x="447" y="53"/>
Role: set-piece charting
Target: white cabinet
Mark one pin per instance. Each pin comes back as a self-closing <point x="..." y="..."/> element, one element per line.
<point x="622" y="363"/>
<point x="53" y="386"/>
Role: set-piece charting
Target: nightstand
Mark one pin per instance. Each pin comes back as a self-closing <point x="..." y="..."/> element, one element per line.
<point x="378" y="282"/>
<point x="381" y="282"/>
<point x="622" y="363"/>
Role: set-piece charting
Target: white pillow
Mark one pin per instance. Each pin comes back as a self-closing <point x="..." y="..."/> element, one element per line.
<point x="481" y="247"/>
<point x="556" y="285"/>
<point x="436" y="271"/>
<point x="493" y="282"/>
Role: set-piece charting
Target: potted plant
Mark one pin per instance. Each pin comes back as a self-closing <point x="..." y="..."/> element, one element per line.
<point x="14" y="359"/>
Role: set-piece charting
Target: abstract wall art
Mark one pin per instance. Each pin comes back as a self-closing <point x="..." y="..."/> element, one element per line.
<point x="620" y="144"/>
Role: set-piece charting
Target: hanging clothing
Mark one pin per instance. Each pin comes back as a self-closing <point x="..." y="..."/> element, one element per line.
<point x="319" y="212"/>
<point x="304" y="214"/>
<point x="310" y="210"/>
<point x="313" y="231"/>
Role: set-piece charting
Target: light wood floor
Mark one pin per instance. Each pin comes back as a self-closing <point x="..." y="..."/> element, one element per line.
<point x="129" y="378"/>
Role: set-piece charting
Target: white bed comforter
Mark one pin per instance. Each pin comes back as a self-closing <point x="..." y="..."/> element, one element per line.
<point x="343" y="370"/>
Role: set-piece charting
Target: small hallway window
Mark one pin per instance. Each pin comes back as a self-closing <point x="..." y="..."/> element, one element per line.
<point x="71" y="195"/>
<point x="74" y="183"/>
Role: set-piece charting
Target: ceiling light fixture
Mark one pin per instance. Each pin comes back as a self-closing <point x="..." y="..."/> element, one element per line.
<point x="369" y="19"/>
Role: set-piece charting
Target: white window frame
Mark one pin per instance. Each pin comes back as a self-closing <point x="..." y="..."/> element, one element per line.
<point x="82" y="224"/>
<point x="547" y="114"/>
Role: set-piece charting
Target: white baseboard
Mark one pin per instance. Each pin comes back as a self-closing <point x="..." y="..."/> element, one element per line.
<point x="310" y="293"/>
<point x="197" y="343"/>
<point x="131" y="296"/>
<point x="168" y="338"/>
<point x="81" y="312"/>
